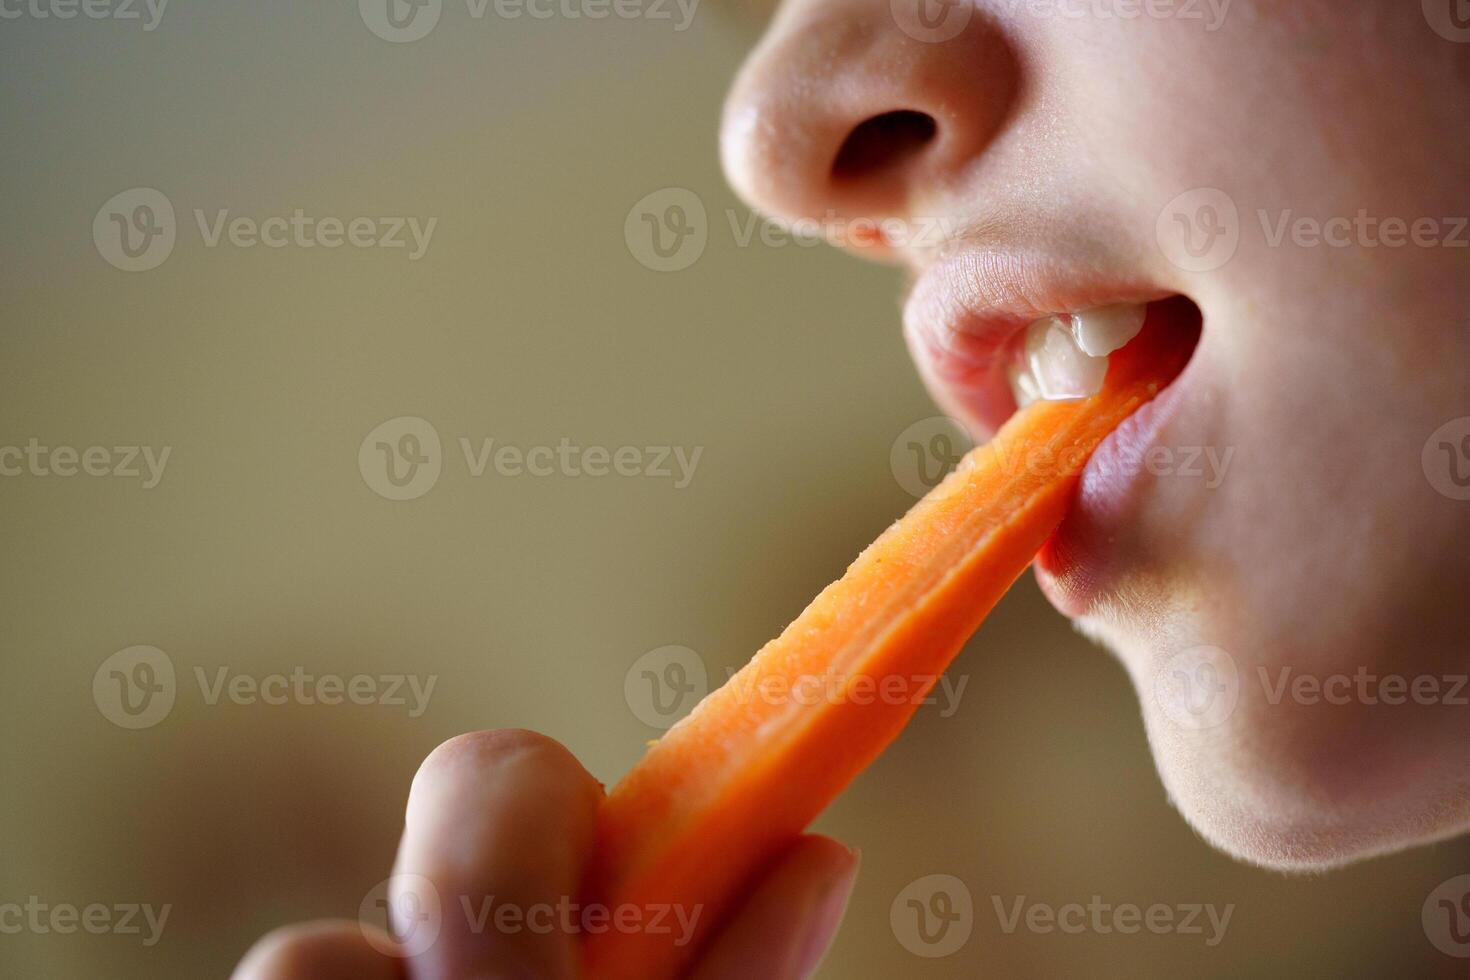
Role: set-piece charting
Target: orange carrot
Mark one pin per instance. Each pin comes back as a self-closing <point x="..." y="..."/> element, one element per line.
<point x="719" y="795"/>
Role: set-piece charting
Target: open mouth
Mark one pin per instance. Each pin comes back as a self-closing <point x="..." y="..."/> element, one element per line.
<point x="993" y="334"/>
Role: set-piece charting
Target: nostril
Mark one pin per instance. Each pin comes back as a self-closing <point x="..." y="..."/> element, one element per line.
<point x="883" y="142"/>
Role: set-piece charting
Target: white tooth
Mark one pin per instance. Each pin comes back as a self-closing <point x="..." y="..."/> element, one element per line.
<point x="1062" y="371"/>
<point x="1023" y="384"/>
<point x="1104" y="329"/>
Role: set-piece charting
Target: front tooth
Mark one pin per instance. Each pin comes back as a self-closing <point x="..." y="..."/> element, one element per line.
<point x="1061" y="370"/>
<point x="1023" y="384"/>
<point x="1104" y="329"/>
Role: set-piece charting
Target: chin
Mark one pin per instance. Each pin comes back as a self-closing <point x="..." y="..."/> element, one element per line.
<point x="1286" y="788"/>
<point x="1281" y="782"/>
<point x="1283" y="834"/>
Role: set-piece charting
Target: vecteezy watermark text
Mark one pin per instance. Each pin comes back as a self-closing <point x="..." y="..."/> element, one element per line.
<point x="933" y="917"/>
<point x="136" y="688"/>
<point x="136" y="230"/>
<point x="1362" y="230"/>
<point x="1210" y="13"/>
<point x="1201" y="229"/>
<point x="405" y="21"/>
<point x="410" y="910"/>
<point x="36" y="459"/>
<point x="402" y="459"/>
<point x="41" y="918"/>
<point x="662" y="685"/>
<point x="667" y="230"/>
<point x="305" y="231"/>
<point x="1200" y="687"/>
<point x="835" y="687"/>
<point x="410" y="691"/>
<point x="1364" y="686"/>
<point x="926" y="452"/>
<point x="148" y="12"/>
<point x="566" y="458"/>
<point x="484" y="914"/>
<point x="1105" y="918"/>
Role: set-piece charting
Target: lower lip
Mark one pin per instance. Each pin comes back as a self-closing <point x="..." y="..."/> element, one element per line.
<point x="1082" y="562"/>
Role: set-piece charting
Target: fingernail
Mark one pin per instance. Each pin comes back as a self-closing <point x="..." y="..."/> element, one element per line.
<point x="826" y="915"/>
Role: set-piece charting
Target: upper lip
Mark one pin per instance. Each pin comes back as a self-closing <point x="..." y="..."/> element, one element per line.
<point x="966" y="307"/>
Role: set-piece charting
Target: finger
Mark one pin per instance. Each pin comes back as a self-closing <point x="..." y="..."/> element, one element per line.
<point x="784" y="927"/>
<point x="501" y="823"/>
<point x="326" y="950"/>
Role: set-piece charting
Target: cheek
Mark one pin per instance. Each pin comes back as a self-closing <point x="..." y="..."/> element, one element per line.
<point x="1288" y="517"/>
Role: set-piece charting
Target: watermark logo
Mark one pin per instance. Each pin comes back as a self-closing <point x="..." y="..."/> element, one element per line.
<point x="927" y="451"/>
<point x="1198" y="688"/>
<point x="932" y="21"/>
<point x="1207" y="464"/>
<point x="1199" y="230"/>
<point x="1446" y="459"/>
<point x="1450" y="19"/>
<point x="402" y="458"/>
<point x="407" y="910"/>
<point x="930" y="233"/>
<point x="135" y="687"/>
<point x="405" y="914"/>
<point x="135" y="230"/>
<point x="400" y="21"/>
<point x="664" y="684"/>
<point x="667" y="230"/>
<point x="1446" y="917"/>
<point x="933" y="916"/>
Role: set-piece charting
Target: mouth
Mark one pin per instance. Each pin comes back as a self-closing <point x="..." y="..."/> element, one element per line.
<point x="993" y="332"/>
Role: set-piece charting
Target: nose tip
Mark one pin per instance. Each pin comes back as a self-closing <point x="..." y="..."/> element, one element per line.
<point x="846" y="116"/>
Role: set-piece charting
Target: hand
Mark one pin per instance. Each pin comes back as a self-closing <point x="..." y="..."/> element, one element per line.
<point x="505" y="819"/>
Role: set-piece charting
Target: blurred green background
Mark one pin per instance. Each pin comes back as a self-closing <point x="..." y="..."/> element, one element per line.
<point x="533" y="316"/>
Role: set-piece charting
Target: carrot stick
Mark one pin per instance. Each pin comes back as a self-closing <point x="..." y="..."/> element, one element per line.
<point x="755" y="762"/>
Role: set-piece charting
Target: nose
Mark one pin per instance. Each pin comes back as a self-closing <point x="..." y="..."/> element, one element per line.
<point x="859" y="109"/>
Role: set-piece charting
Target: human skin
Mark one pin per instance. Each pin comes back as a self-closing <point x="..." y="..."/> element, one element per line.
<point x="506" y="818"/>
<point x="1055" y="142"/>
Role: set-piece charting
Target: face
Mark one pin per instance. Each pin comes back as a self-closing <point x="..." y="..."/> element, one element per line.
<point x="1278" y="549"/>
